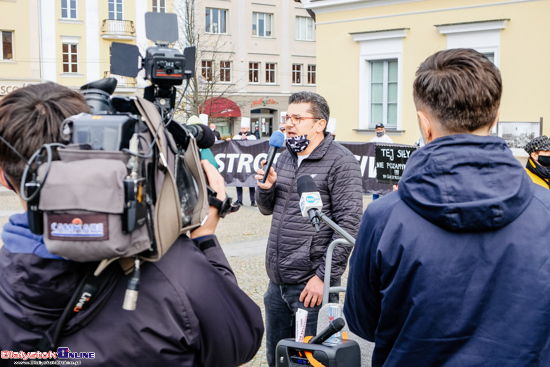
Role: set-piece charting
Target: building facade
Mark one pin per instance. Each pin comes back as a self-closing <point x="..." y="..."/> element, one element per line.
<point x="68" y="41"/>
<point x="251" y="55"/>
<point x="376" y="46"/>
<point x="20" y="54"/>
<point x="76" y="37"/>
<point x="255" y="54"/>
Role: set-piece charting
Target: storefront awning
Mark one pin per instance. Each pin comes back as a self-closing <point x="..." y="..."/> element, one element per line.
<point x="220" y="107"/>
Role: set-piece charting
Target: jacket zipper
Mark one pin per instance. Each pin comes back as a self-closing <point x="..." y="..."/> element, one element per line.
<point x="281" y="221"/>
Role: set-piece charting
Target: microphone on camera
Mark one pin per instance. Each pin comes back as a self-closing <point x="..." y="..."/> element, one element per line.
<point x="275" y="142"/>
<point x="310" y="199"/>
<point x="330" y="330"/>
<point x="203" y="135"/>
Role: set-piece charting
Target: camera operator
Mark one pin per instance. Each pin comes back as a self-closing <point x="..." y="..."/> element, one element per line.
<point x="190" y="310"/>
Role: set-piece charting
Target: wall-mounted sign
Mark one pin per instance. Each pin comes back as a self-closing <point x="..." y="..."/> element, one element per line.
<point x="264" y="101"/>
<point x="8" y="88"/>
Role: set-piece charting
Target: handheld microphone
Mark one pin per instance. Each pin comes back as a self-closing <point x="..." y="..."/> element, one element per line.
<point x="330" y="330"/>
<point x="275" y="142"/>
<point x="310" y="199"/>
<point x="202" y="133"/>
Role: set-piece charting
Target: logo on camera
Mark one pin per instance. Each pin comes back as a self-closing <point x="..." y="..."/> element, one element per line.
<point x="91" y="227"/>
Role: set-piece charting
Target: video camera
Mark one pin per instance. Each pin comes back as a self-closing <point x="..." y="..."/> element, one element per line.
<point x="164" y="67"/>
<point x="154" y="162"/>
<point x="128" y="181"/>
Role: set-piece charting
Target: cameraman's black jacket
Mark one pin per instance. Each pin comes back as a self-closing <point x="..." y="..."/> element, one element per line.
<point x="190" y="311"/>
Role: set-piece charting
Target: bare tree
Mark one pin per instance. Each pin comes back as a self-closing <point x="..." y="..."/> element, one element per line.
<point x="211" y="49"/>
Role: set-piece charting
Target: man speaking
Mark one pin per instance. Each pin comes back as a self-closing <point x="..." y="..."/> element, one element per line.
<point x="295" y="257"/>
<point x="453" y="269"/>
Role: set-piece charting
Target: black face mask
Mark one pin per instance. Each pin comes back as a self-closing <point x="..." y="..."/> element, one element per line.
<point x="544" y="160"/>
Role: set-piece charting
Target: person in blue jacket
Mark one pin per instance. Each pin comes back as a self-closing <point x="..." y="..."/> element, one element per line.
<point x="453" y="269"/>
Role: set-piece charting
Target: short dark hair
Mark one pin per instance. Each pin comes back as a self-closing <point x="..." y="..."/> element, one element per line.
<point x="318" y="104"/>
<point x="30" y="117"/>
<point x="461" y="87"/>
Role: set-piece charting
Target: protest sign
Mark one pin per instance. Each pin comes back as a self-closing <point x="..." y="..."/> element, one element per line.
<point x="391" y="160"/>
<point x="238" y="161"/>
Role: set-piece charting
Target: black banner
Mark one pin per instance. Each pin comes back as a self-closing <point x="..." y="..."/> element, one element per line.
<point x="238" y="161"/>
<point x="391" y="161"/>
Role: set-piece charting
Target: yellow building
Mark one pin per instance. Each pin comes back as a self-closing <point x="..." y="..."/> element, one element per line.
<point x="255" y="54"/>
<point x="20" y="54"/>
<point x="76" y="36"/>
<point x="68" y="41"/>
<point x="368" y="52"/>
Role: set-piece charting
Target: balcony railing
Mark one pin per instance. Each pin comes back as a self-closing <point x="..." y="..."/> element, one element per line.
<point x="122" y="81"/>
<point x="118" y="28"/>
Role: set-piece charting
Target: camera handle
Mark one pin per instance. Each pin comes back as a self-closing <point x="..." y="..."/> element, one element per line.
<point x="164" y="97"/>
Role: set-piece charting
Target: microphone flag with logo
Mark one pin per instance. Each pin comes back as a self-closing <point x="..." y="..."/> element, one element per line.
<point x="310" y="199"/>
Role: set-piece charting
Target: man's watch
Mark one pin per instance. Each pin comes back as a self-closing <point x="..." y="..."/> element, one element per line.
<point x="224" y="207"/>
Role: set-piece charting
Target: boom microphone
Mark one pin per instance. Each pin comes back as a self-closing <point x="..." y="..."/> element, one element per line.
<point x="275" y="142"/>
<point x="310" y="199"/>
<point x="330" y="330"/>
<point x="204" y="136"/>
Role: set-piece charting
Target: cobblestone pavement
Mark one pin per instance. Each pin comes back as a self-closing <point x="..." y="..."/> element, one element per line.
<point x="243" y="236"/>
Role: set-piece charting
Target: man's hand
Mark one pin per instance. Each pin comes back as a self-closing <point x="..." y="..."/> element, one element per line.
<point x="312" y="295"/>
<point x="217" y="183"/>
<point x="270" y="180"/>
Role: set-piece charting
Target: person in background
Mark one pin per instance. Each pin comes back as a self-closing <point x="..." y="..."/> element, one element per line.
<point x="283" y="130"/>
<point x="296" y="254"/>
<point x="453" y="269"/>
<point x="190" y="311"/>
<point x="257" y="133"/>
<point x="331" y="127"/>
<point x="214" y="129"/>
<point x="538" y="164"/>
<point x="245" y="135"/>
<point x="282" y="123"/>
<point x="381" y="136"/>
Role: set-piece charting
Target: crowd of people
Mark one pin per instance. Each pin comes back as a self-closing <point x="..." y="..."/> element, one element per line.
<point x="451" y="269"/>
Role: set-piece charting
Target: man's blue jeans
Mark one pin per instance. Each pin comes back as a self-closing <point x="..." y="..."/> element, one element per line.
<point x="281" y="303"/>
